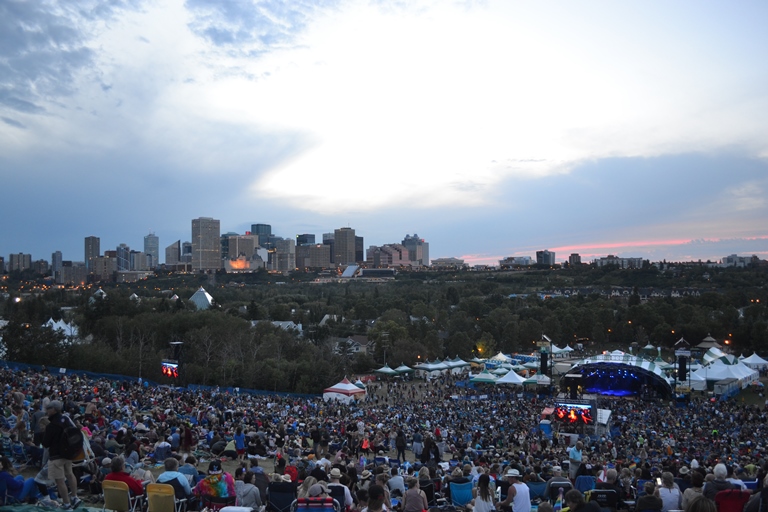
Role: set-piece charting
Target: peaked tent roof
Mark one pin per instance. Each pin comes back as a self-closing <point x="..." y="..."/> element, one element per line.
<point x="511" y="378"/>
<point x="501" y="357"/>
<point x="344" y="388"/>
<point x="484" y="377"/>
<point x="709" y="342"/>
<point x="360" y="384"/>
<point x="540" y="379"/>
<point x="386" y="370"/>
<point x="404" y="369"/>
<point x="754" y="360"/>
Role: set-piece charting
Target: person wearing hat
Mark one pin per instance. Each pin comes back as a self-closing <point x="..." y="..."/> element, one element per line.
<point x="557" y="478"/>
<point x="217" y="484"/>
<point x="335" y="476"/>
<point x="365" y="479"/>
<point x="318" y="490"/>
<point x="518" y="493"/>
<point x="59" y="467"/>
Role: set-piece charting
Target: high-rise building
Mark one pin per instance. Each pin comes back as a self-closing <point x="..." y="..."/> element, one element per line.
<point x="40" y="267"/>
<point x="56" y="261"/>
<point x="72" y="273"/>
<point x="224" y="241"/>
<point x="140" y="260"/>
<point x="173" y="253"/>
<point x="123" y="257"/>
<point x="313" y="256"/>
<point x="306" y="238"/>
<point x="241" y="246"/>
<point x="152" y="249"/>
<point x="19" y="262"/>
<point x="418" y="249"/>
<point x="92" y="250"/>
<point x="262" y="232"/>
<point x="186" y="252"/>
<point x="284" y="256"/>
<point x="2" y="265"/>
<point x="344" y="246"/>
<point x="104" y="268"/>
<point x="330" y="242"/>
<point x="389" y="255"/>
<point x="574" y="260"/>
<point x="359" y="250"/>
<point x="545" y="258"/>
<point x="206" y="246"/>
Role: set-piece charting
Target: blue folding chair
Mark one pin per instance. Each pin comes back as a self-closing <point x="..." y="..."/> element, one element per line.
<point x="461" y="494"/>
<point x="584" y="483"/>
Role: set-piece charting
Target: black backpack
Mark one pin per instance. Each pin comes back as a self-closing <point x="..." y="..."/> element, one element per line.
<point x="71" y="442"/>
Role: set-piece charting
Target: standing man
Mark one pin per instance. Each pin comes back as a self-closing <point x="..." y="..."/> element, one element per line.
<point x="574" y="459"/>
<point x="59" y="467"/>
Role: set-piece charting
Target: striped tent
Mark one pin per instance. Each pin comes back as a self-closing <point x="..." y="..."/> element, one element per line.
<point x="715" y="354"/>
<point x="625" y="359"/>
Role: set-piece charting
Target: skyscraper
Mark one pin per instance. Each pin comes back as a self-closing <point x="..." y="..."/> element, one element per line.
<point x="123" y="257"/>
<point x="344" y="246"/>
<point x="56" y="263"/>
<point x="206" y="246"/>
<point x="418" y="249"/>
<point x="328" y="240"/>
<point x="152" y="249"/>
<point x="173" y="253"/>
<point x="92" y="251"/>
<point x="306" y="238"/>
<point x="262" y="231"/>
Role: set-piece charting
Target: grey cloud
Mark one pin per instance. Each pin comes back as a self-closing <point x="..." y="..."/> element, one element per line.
<point x="263" y="23"/>
<point x="13" y="122"/>
<point x="43" y="47"/>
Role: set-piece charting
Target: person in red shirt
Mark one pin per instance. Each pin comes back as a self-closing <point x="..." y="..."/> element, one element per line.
<point x="118" y="474"/>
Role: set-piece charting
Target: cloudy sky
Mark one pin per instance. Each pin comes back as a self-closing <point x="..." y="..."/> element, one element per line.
<point x="490" y="128"/>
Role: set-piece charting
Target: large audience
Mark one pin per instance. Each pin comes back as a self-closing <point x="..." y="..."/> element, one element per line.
<point x="655" y="455"/>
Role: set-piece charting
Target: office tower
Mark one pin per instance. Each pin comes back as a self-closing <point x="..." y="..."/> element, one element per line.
<point x="241" y="246"/>
<point x="56" y="259"/>
<point x="574" y="260"/>
<point x="92" y="250"/>
<point x="206" y="246"/>
<point x="19" y="262"/>
<point x="152" y="249"/>
<point x="262" y="232"/>
<point x="72" y="273"/>
<point x="359" y="250"/>
<point x="344" y="246"/>
<point x="104" y="268"/>
<point x="304" y="239"/>
<point x="316" y="256"/>
<point x="545" y="258"/>
<point x="418" y="249"/>
<point x="2" y="265"/>
<point x="123" y="257"/>
<point x="40" y="267"/>
<point x="329" y="241"/>
<point x="284" y="256"/>
<point x="140" y="260"/>
<point x="186" y="252"/>
<point x="224" y="241"/>
<point x="173" y="253"/>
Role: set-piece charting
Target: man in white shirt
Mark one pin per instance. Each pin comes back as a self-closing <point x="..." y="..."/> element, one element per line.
<point x="335" y="476"/>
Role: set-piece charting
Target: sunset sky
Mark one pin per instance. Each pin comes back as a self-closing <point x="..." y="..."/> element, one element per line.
<point x="490" y="128"/>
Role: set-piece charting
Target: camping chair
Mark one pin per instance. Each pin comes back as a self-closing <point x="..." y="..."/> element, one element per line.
<point x="535" y="489"/>
<point x="608" y="499"/>
<point x="217" y="503"/>
<point x="338" y="494"/>
<point x="429" y="491"/>
<point x="379" y="461"/>
<point x="554" y="490"/>
<point x="162" y="498"/>
<point x="316" y="504"/>
<point x="394" y="464"/>
<point x="584" y="483"/>
<point x="280" y="496"/>
<point x="461" y="494"/>
<point x="118" y="497"/>
<point x="20" y="455"/>
<point x="731" y="500"/>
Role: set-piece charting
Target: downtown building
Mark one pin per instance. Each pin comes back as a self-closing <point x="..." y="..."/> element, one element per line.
<point x="206" y="245"/>
<point x="92" y="251"/>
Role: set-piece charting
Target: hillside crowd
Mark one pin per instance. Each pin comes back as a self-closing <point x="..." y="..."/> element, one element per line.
<point x="438" y="431"/>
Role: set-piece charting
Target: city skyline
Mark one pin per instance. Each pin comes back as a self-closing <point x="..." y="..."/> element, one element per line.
<point x="492" y="129"/>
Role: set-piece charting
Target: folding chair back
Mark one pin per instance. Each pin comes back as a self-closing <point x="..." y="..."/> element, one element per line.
<point x="731" y="500"/>
<point x="161" y="498"/>
<point x="584" y="483"/>
<point x="315" y="505"/>
<point x="606" y="498"/>
<point x="5" y="498"/>
<point x="280" y="499"/>
<point x="535" y="489"/>
<point x="429" y="492"/>
<point x="117" y="497"/>
<point x="218" y="503"/>
<point x="554" y="490"/>
<point x="461" y="494"/>
<point x="337" y="493"/>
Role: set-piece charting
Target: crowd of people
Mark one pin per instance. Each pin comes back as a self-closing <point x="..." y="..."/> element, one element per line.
<point x="655" y="454"/>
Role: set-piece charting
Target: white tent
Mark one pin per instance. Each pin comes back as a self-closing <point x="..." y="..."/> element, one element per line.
<point x="511" y="378"/>
<point x="433" y="369"/>
<point x="456" y="365"/>
<point x="484" y="377"/>
<point x="719" y="370"/>
<point x="404" y="369"/>
<point x="698" y="383"/>
<point x="501" y="358"/>
<point x="539" y="379"/>
<point x="344" y="391"/>
<point x="755" y="362"/>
